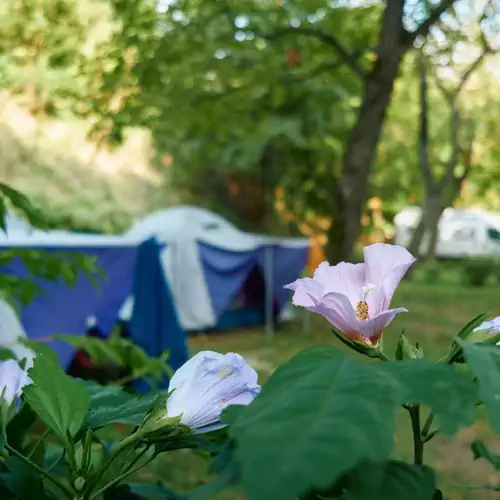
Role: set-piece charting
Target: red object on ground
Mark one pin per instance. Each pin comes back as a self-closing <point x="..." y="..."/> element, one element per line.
<point x="83" y="359"/>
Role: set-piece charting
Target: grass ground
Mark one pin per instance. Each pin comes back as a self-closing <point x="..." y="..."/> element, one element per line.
<point x="436" y="314"/>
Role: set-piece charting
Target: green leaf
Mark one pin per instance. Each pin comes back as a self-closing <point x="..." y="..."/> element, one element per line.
<point x="58" y="399"/>
<point x="25" y="483"/>
<point x="391" y="480"/>
<point x="159" y="491"/>
<point x="19" y="425"/>
<point x="484" y="362"/>
<point x="24" y="205"/>
<point x="41" y="348"/>
<point x="323" y="413"/>
<point x="480" y="450"/>
<point x="112" y="405"/>
<point x="451" y="394"/>
<point x="469" y="327"/>
<point x="228" y="473"/>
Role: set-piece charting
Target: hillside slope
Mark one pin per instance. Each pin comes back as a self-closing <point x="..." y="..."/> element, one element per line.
<point x="77" y="186"/>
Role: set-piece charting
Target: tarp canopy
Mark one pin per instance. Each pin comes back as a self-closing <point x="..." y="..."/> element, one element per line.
<point x="207" y="260"/>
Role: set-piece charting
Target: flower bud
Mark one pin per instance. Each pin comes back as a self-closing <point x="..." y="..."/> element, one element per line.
<point x="199" y="392"/>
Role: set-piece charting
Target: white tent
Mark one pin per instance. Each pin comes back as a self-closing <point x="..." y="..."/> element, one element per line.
<point x="181" y="228"/>
<point x="462" y="233"/>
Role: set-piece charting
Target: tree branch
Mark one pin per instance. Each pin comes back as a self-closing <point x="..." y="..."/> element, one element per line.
<point x="434" y="16"/>
<point x="454" y="159"/>
<point x="349" y="58"/>
<point x="474" y="65"/>
<point x="318" y="70"/>
<point x="424" y="125"/>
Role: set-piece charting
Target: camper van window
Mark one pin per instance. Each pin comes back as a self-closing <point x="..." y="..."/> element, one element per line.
<point x="494" y="234"/>
<point x="467" y="233"/>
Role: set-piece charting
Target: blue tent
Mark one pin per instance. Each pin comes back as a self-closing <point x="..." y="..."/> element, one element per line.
<point x="129" y="269"/>
<point x="154" y="325"/>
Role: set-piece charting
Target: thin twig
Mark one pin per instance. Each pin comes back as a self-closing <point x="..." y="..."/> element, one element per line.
<point x="434" y="16"/>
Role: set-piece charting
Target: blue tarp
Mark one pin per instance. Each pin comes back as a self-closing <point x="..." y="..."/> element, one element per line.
<point x="129" y="270"/>
<point x="154" y="325"/>
<point x="64" y="309"/>
<point x="226" y="272"/>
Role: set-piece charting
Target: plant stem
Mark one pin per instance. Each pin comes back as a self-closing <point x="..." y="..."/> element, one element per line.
<point x="382" y="356"/>
<point x="119" y="479"/>
<point x="39" y="470"/>
<point x="427" y="425"/>
<point x="132" y="439"/>
<point x="418" y="444"/>
<point x="38" y="443"/>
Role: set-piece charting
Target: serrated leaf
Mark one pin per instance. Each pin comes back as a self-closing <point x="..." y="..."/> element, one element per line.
<point x="41" y="348"/>
<point x="112" y="405"/>
<point x="321" y="412"/>
<point x="58" y="399"/>
<point x="391" y="480"/>
<point x="484" y="362"/>
<point x="451" y="394"/>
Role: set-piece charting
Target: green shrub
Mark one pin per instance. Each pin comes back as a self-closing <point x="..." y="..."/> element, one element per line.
<point x="477" y="272"/>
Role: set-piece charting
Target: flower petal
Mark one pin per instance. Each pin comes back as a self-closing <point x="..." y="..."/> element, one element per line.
<point x="337" y="309"/>
<point x="344" y="278"/>
<point x="12" y="380"/>
<point x="386" y="266"/>
<point x="492" y="325"/>
<point x="374" y="327"/>
<point x="304" y="288"/>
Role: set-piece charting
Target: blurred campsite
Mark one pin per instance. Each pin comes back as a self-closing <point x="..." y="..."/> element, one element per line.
<point x="169" y="166"/>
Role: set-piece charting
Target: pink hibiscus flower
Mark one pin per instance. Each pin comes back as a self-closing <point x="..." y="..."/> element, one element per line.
<point x="355" y="298"/>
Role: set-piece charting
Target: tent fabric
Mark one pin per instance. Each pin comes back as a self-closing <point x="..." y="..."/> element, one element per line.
<point x="65" y="309"/>
<point x="226" y="272"/>
<point x="11" y="330"/>
<point x="154" y="325"/>
<point x="207" y="260"/>
<point x="183" y="267"/>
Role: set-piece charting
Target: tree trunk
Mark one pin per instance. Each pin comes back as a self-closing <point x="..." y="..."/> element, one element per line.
<point x="433" y="230"/>
<point x="431" y="212"/>
<point x="350" y="197"/>
<point x="417" y="237"/>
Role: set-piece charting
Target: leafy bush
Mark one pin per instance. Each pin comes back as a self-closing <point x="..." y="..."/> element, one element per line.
<point x="478" y="271"/>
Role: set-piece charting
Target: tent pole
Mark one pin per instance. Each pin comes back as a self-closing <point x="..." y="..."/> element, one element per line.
<point x="269" y="292"/>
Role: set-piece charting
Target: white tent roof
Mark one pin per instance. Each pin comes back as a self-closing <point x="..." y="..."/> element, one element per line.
<point x="188" y="222"/>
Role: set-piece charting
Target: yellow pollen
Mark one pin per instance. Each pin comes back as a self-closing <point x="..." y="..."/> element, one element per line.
<point x="362" y="310"/>
<point x="226" y="371"/>
<point x="223" y="404"/>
